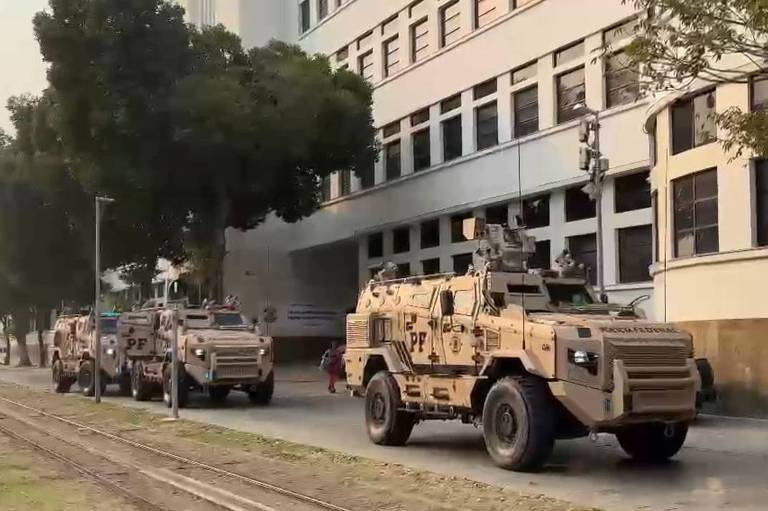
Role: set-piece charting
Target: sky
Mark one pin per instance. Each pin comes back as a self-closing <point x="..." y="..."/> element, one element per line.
<point x="21" y="67"/>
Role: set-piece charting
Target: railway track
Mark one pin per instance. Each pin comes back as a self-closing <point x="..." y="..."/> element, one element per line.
<point x="41" y="438"/>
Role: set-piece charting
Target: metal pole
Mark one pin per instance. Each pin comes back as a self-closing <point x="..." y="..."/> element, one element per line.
<point x="175" y="366"/>
<point x="597" y="177"/>
<point x="96" y="313"/>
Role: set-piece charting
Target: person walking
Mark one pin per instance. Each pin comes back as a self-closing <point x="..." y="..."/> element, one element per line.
<point x="331" y="363"/>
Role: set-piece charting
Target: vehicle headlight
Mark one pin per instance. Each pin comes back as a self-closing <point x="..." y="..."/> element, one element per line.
<point x="263" y="352"/>
<point x="111" y="352"/>
<point x="584" y="359"/>
<point x="199" y="353"/>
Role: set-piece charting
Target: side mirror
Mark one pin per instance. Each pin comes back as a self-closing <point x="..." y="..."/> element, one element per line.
<point x="446" y="303"/>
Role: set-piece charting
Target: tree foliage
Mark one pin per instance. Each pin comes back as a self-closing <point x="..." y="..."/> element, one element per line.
<point x="681" y="42"/>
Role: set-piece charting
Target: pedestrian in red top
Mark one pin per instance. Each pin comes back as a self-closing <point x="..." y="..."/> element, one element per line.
<point x="332" y="362"/>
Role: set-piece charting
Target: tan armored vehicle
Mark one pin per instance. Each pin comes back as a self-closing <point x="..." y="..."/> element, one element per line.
<point x="532" y="356"/>
<point x="73" y="354"/>
<point x="218" y="352"/>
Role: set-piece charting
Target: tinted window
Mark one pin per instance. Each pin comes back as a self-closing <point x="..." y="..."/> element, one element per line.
<point x="421" y="150"/>
<point x="761" y="201"/>
<point x="461" y="263"/>
<point x="526" y="104"/>
<point x="107" y="326"/>
<point x="457" y="225"/>
<point x="367" y="177"/>
<point x="695" y="214"/>
<point x="622" y="80"/>
<point x="584" y="251"/>
<point x="568" y="294"/>
<point x="485" y="89"/>
<point x="578" y="205"/>
<point x="542" y="259"/>
<point x="375" y="245"/>
<point x="345" y="182"/>
<point x="759" y="92"/>
<point x="430" y="266"/>
<point x="497" y="215"/>
<point x="693" y="122"/>
<point x="487" y="122"/>
<point x="403" y="270"/>
<point x="632" y="192"/>
<point x="570" y="95"/>
<point x="536" y="211"/>
<point x="635" y="248"/>
<point x="226" y="319"/>
<point x="430" y="234"/>
<point x="401" y="240"/>
<point x="451" y="103"/>
<point x="452" y="138"/>
<point x="392" y="160"/>
<point x="304" y="15"/>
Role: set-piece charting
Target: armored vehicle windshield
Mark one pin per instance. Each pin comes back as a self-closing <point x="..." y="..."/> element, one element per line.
<point x="108" y="326"/>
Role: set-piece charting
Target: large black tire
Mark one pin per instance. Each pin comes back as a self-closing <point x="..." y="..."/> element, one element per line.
<point x="61" y="383"/>
<point x="652" y="442"/>
<point x="261" y="394"/>
<point x="519" y="423"/>
<point x="85" y="378"/>
<point x="141" y="389"/>
<point x="218" y="394"/>
<point x="183" y="387"/>
<point x="386" y="423"/>
<point x="124" y="382"/>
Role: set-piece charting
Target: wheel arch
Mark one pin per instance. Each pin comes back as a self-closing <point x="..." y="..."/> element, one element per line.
<point x="496" y="368"/>
<point x="374" y="363"/>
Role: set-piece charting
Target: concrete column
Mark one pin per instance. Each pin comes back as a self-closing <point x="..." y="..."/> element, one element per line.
<point x="504" y="108"/>
<point x="467" y="122"/>
<point x="435" y="135"/>
<point x="593" y="72"/>
<point x="547" y="93"/>
<point x="556" y="221"/>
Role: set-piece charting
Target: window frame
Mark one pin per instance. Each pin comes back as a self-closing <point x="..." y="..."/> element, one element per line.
<point x="566" y="113"/>
<point x="493" y="137"/>
<point x="572" y="217"/>
<point x="426" y="162"/>
<point x="517" y="127"/>
<point x="632" y="201"/>
<point x="362" y="66"/>
<point x="416" y="51"/>
<point x="478" y="16"/>
<point x="616" y="74"/>
<point x="391" y="66"/>
<point x="676" y="144"/>
<point x="305" y="21"/>
<point x="695" y="228"/>
<point x="450" y="156"/>
<point x="388" y="173"/>
<point x="424" y="242"/>
<point x="401" y="245"/>
<point x="760" y="179"/>
<point x="443" y="21"/>
<point x="626" y="261"/>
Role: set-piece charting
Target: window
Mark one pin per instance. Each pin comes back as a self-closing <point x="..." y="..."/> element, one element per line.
<point x="632" y="192"/>
<point x="345" y="182"/>
<point x="322" y="9"/>
<point x="526" y="103"/>
<point x="365" y="40"/>
<point x="325" y="189"/>
<point x="584" y="251"/>
<point x="401" y="240"/>
<point x="694" y="202"/>
<point x="761" y="202"/>
<point x="416" y="8"/>
<point x="304" y="15"/>
<point x="536" y="211"/>
<point x="461" y="263"/>
<point x="451" y="103"/>
<point x="655" y="223"/>
<point x="430" y="233"/>
<point x="693" y="122"/>
<point x="758" y="92"/>
<point x="578" y="205"/>
<point x="620" y="32"/>
<point x="487" y="122"/>
<point x="523" y="73"/>
<point x="457" y="227"/>
<point x="570" y="95"/>
<point x="342" y="54"/>
<point x="403" y="270"/>
<point x="389" y="25"/>
<point x="393" y="128"/>
<point x="367" y="177"/>
<point x="391" y="56"/>
<point x="421" y="150"/>
<point x="569" y="53"/>
<point x="485" y="89"/>
<point x="622" y="80"/>
<point x="542" y="258"/>
<point x="419" y="40"/>
<point x="420" y="117"/>
<point x="452" y="138"/>
<point x="365" y="65"/>
<point x="497" y="215"/>
<point x="430" y="266"/>
<point x="485" y="12"/>
<point x="375" y="245"/>
<point x="450" y="23"/>
<point x="635" y="253"/>
<point x="392" y="160"/>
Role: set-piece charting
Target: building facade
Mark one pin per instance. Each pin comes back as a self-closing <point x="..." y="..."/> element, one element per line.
<point x="710" y="266"/>
<point x="477" y="108"/>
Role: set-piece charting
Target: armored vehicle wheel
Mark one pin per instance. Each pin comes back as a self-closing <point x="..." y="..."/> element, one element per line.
<point x="652" y="442"/>
<point x="218" y="394"/>
<point x="61" y="383"/>
<point x="85" y="378"/>
<point x="519" y="423"/>
<point x="261" y="394"/>
<point x="386" y="423"/>
<point x="141" y="389"/>
<point x="183" y="387"/>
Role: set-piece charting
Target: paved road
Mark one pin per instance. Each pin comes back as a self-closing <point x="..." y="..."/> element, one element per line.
<point x="724" y="464"/>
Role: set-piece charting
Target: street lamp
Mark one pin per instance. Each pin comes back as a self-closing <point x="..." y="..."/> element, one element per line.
<point x="96" y="306"/>
<point x="591" y="161"/>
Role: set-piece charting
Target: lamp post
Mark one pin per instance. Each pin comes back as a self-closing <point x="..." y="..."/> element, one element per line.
<point x="96" y="306"/>
<point x="591" y="161"/>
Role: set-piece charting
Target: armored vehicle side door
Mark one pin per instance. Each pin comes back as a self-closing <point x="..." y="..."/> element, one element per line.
<point x="456" y="330"/>
<point x="420" y="328"/>
<point x="136" y="334"/>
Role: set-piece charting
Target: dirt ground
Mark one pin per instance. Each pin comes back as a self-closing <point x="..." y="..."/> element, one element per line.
<point x="30" y="482"/>
<point x="348" y="481"/>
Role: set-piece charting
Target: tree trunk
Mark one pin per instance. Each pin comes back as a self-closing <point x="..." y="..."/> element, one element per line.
<point x="219" y="247"/>
<point x="42" y="325"/>
<point x="6" y="361"/>
<point x="21" y="319"/>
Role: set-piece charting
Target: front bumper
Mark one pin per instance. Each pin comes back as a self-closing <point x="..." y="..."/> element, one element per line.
<point x="640" y="394"/>
<point x="224" y="370"/>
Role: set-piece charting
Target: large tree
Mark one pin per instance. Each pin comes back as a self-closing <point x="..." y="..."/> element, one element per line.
<point x="725" y="41"/>
<point x="190" y="133"/>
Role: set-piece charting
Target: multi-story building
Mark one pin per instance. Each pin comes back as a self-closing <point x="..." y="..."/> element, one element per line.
<point x="477" y="104"/>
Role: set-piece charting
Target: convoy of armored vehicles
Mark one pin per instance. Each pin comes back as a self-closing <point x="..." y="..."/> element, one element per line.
<point x="530" y="356"/>
<point x="218" y="351"/>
